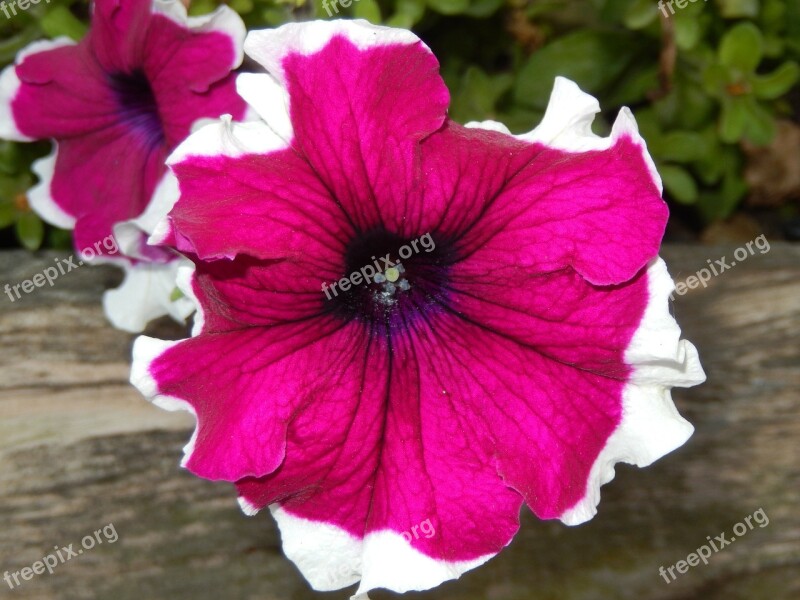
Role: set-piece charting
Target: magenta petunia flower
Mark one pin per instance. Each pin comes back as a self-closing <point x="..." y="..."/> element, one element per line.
<point x="116" y="104"/>
<point x="408" y="327"/>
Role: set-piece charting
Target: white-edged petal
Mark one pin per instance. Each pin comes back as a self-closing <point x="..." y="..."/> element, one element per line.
<point x="223" y="137"/>
<point x="330" y="558"/>
<point x="390" y="562"/>
<point x="183" y="280"/>
<point x="567" y="121"/>
<point x="650" y="426"/>
<point x="9" y="88"/>
<point x="223" y="20"/>
<point x="269" y="100"/>
<point x="129" y="234"/>
<point x="10" y="83"/>
<point x="567" y="125"/>
<point x="268" y="47"/>
<point x="146" y="294"/>
<point x="327" y="556"/>
<point x="40" y="197"/>
<point x="145" y="351"/>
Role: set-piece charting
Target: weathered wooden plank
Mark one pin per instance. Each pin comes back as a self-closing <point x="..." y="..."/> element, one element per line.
<point x="79" y="449"/>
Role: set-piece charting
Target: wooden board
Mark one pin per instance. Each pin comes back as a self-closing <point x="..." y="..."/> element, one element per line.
<point x="79" y="449"/>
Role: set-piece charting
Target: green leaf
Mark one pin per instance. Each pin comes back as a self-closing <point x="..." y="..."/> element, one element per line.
<point x="8" y="157"/>
<point x="687" y="32"/>
<point x="30" y="231"/>
<point x="633" y="88"/>
<point x="733" y="120"/>
<point x="679" y="184"/>
<point x="593" y="60"/>
<point x="367" y="9"/>
<point x="407" y="13"/>
<point x="640" y="14"/>
<point x="776" y="84"/>
<point x="477" y="94"/>
<point x="60" y="21"/>
<point x="449" y="7"/>
<point x="742" y="47"/>
<point x="7" y="214"/>
<point x="483" y="8"/>
<point x="720" y="204"/>
<point x="759" y="125"/>
<point x="715" y="78"/>
<point x="648" y="125"/>
<point x="681" y="146"/>
<point x="201" y="7"/>
<point x="276" y="16"/>
<point x="242" y="7"/>
<point x="736" y="9"/>
<point x="13" y="44"/>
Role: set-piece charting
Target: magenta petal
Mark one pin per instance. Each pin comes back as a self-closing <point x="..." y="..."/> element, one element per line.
<point x="81" y="185"/>
<point x="244" y="292"/>
<point x="204" y="60"/>
<point x="62" y="93"/>
<point x="543" y="209"/>
<point x="359" y="106"/>
<point x="559" y="313"/>
<point x="265" y="378"/>
<point x="268" y="206"/>
<point x="409" y="461"/>
<point x="118" y="34"/>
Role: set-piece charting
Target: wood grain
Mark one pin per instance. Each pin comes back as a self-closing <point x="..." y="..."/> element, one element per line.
<point x="80" y="449"/>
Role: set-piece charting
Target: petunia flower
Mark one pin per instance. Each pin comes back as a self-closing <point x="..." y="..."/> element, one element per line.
<point x="522" y="346"/>
<point x="116" y="105"/>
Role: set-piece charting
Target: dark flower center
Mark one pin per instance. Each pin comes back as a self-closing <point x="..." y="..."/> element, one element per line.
<point x="138" y="106"/>
<point x="390" y="281"/>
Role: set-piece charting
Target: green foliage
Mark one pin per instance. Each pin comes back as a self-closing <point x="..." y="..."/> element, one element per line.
<point x="702" y="77"/>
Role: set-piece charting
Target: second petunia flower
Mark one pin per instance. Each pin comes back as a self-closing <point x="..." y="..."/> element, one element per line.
<point x="408" y="328"/>
<point x="116" y="104"/>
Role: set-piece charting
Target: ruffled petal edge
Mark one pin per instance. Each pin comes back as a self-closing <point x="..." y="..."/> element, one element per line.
<point x="650" y="426"/>
<point x="145" y="294"/>
<point x="331" y="559"/>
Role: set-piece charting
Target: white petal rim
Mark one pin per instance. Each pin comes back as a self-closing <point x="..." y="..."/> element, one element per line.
<point x="268" y="47"/>
<point x="223" y="20"/>
<point x="129" y="233"/>
<point x="146" y="294"/>
<point x="650" y="426"/>
<point x="10" y="83"/>
<point x="223" y="137"/>
<point x="330" y="558"/>
<point x="145" y="351"/>
<point x="269" y="100"/>
<point x="185" y="283"/>
<point x="567" y="125"/>
<point x="40" y="196"/>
